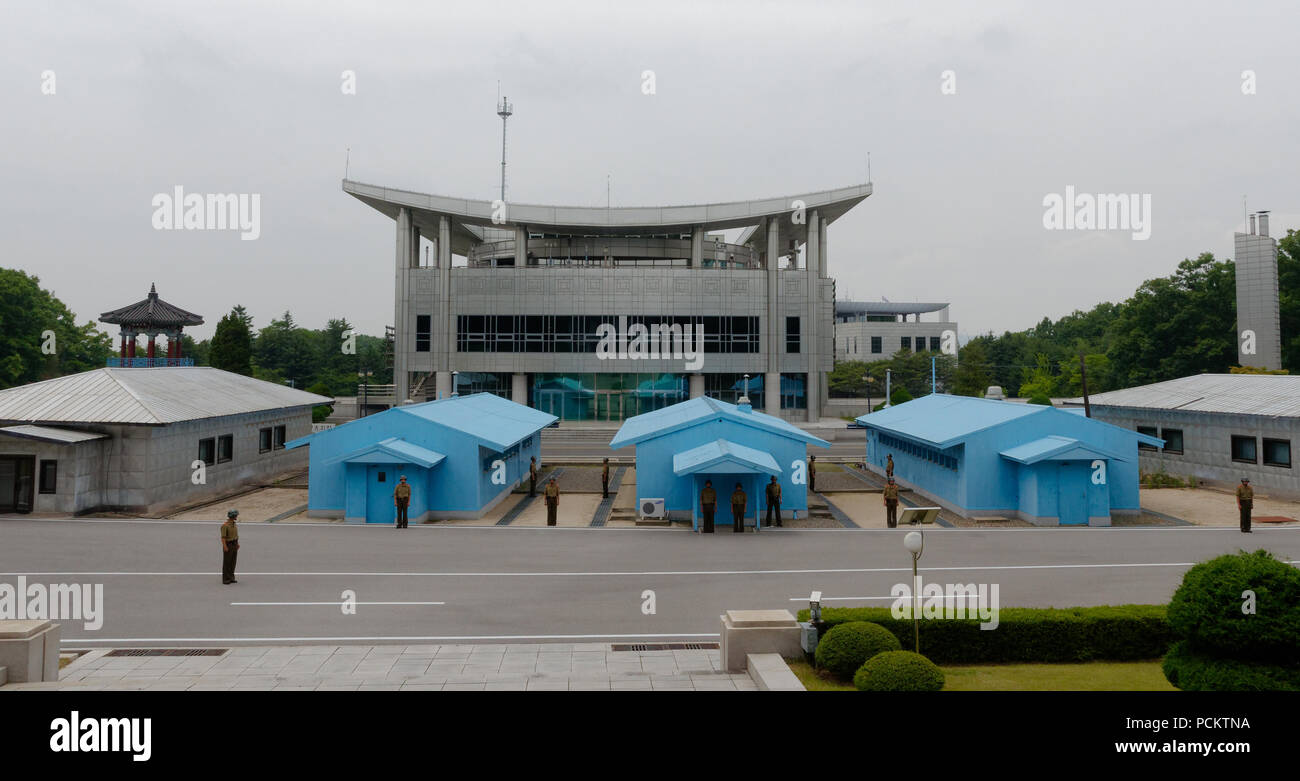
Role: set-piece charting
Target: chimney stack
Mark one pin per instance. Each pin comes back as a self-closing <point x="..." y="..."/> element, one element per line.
<point x="1263" y="223"/>
<point x="1251" y="230"/>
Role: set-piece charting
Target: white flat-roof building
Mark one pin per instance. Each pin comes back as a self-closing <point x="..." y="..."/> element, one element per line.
<point x="875" y="330"/>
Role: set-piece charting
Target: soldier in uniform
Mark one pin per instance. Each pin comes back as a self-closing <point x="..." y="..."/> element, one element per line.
<point x="708" y="503"/>
<point x="604" y="480"/>
<point x="773" y="501"/>
<point x="402" y="501"/>
<point x="532" y="477"/>
<point x="229" y="547"/>
<point x="552" y="501"/>
<point x="738" y="509"/>
<point x="1245" y="501"/>
<point x="891" y="503"/>
<point x="889" y="465"/>
<point x="812" y="474"/>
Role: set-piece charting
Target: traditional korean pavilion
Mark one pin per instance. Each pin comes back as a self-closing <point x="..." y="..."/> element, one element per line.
<point x="152" y="317"/>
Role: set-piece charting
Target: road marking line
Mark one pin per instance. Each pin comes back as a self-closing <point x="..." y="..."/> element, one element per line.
<point x="334" y="604"/>
<point x="632" y="573"/>
<point x="71" y="642"/>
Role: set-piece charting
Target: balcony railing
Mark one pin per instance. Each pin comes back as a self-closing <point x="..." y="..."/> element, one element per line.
<point x="147" y="363"/>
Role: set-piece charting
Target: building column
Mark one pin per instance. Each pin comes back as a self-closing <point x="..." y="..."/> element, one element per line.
<point x="697" y="386"/>
<point x="401" y="317"/>
<point x="521" y="246"/>
<point x="775" y="342"/>
<point x="130" y="344"/>
<point x="442" y="384"/>
<point x="152" y="336"/>
<point x="519" y="389"/>
<point x="812" y="385"/>
<point x="821" y="248"/>
<point x="697" y="246"/>
<point x="446" y="345"/>
<point x="772" y="393"/>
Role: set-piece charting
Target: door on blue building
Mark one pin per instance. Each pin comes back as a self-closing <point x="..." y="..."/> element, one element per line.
<point x="379" y="494"/>
<point x="1072" y="492"/>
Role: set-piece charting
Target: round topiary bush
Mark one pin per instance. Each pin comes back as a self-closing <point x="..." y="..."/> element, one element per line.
<point x="1191" y="671"/>
<point x="1213" y="614"/>
<point x="898" y="671"/>
<point x="848" y="645"/>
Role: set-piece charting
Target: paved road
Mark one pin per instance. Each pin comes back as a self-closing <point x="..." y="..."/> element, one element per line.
<point x="162" y="584"/>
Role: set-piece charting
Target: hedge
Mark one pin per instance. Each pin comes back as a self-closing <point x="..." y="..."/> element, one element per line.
<point x="848" y="645"/>
<point x="1206" y="610"/>
<point x="1123" y="632"/>
<point x="898" y="671"/>
<point x="1191" y="671"/>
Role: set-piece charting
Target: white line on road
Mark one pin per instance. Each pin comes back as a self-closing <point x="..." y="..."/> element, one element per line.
<point x="72" y="642"/>
<point x="333" y="604"/>
<point x="629" y="573"/>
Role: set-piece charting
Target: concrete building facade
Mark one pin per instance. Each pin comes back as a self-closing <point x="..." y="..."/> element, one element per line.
<point x="1259" y="329"/>
<point x="876" y="330"/>
<point x="520" y="319"/>
<point x="1217" y="428"/>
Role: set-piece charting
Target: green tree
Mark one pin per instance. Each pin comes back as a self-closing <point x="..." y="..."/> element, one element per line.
<point x="972" y="377"/>
<point x="232" y="345"/>
<point x="39" y="335"/>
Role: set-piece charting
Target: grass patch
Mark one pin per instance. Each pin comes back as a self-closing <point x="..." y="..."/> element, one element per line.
<point x="1085" y="676"/>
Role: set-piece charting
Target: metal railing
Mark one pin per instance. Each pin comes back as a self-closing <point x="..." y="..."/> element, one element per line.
<point x="147" y="363"/>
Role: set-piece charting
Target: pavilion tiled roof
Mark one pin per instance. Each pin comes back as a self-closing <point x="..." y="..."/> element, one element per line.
<point x="151" y="312"/>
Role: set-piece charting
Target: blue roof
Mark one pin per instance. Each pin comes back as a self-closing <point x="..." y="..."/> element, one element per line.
<point x="1057" y="448"/>
<point x="723" y="456"/>
<point x="393" y="450"/>
<point x="497" y="422"/>
<point x="701" y="410"/>
<point x="943" y="420"/>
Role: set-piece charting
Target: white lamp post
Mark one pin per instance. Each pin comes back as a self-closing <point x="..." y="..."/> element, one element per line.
<point x="915" y="544"/>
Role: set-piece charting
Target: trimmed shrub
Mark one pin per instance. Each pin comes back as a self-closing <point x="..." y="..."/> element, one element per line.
<point x="1120" y="633"/>
<point x="1041" y="398"/>
<point x="1206" y="610"/>
<point x="1191" y="671"/>
<point x="898" y="671"/>
<point x="847" y="646"/>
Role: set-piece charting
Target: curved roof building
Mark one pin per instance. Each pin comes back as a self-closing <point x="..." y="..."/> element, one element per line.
<point x="576" y="310"/>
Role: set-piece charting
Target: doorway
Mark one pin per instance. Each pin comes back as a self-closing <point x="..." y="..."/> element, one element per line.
<point x="379" y="494"/>
<point x="16" y="483"/>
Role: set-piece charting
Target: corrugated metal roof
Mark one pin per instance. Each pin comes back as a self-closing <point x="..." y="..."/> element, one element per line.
<point x="393" y="450"/>
<point x="711" y="455"/>
<point x="498" y="422"/>
<point x="1056" y="447"/>
<point x="663" y="421"/>
<point x="64" y="436"/>
<point x="1271" y="395"/>
<point x="943" y="420"/>
<point x="154" y="396"/>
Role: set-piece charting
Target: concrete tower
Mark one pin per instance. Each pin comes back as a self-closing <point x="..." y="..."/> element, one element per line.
<point x="1259" y="329"/>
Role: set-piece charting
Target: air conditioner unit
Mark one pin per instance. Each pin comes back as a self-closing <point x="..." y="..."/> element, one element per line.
<point x="652" y="508"/>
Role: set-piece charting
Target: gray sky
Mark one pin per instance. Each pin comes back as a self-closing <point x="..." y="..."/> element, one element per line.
<point x="752" y="99"/>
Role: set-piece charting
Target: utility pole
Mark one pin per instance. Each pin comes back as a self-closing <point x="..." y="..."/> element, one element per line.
<point x="504" y="110"/>
<point x="1083" y="378"/>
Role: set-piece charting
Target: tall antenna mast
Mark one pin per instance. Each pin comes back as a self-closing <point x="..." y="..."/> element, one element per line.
<point x="504" y="110"/>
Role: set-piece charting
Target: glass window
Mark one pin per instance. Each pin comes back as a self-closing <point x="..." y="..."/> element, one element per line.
<point x="225" y="448"/>
<point x="791" y="335"/>
<point x="1243" y="449"/>
<point x="208" y="451"/>
<point x="49" y="476"/>
<point x="422" y="325"/>
<point x="1277" y="452"/>
<point x="934" y="344"/>
<point x="278" y="442"/>
<point x="1173" y="438"/>
<point x="875" y="344"/>
<point x="906" y="342"/>
<point x="263" y="440"/>
<point x="792" y="392"/>
<point x="1149" y="431"/>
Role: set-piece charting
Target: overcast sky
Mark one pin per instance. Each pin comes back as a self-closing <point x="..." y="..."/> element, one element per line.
<point x="751" y="100"/>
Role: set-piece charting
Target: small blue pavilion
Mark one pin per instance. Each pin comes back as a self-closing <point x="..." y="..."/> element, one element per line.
<point x="461" y="455"/>
<point x="981" y="457"/>
<point x="681" y="446"/>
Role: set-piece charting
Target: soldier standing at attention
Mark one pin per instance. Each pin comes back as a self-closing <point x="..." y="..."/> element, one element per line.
<point x="708" y="503"/>
<point x="532" y="477"/>
<point x="738" y="510"/>
<point x="604" y="480"/>
<point x="773" y="501"/>
<point x="889" y="465"/>
<point x="402" y="501"/>
<point x="552" y="501"/>
<point x="229" y="547"/>
<point x="812" y="474"/>
<point x="891" y="503"/>
<point x="1245" y="501"/>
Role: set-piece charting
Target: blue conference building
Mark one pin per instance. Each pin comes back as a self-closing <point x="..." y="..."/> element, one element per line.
<point x="681" y="446"/>
<point x="981" y="457"/>
<point x="461" y="456"/>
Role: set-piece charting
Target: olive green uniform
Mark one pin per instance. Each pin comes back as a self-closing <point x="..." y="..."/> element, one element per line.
<point x="738" y="510"/>
<point x="532" y="478"/>
<point x="229" y="551"/>
<point x="402" y="501"/>
<point x="604" y="482"/>
<point x="552" y="502"/>
<point x="708" y="504"/>
<point x="889" y="466"/>
<point x="773" y="503"/>
<point x="891" y="505"/>
<point x="812" y="475"/>
<point x="1245" y="502"/>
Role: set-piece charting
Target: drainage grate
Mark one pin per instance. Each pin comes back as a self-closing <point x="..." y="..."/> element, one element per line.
<point x="166" y="652"/>
<point x="665" y="646"/>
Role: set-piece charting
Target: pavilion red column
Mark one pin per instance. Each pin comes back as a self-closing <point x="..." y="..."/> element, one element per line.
<point x="152" y="336"/>
<point x="130" y="346"/>
<point x="122" y="342"/>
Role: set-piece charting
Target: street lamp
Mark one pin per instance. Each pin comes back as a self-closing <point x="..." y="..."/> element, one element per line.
<point x="868" y="379"/>
<point x="915" y="544"/>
